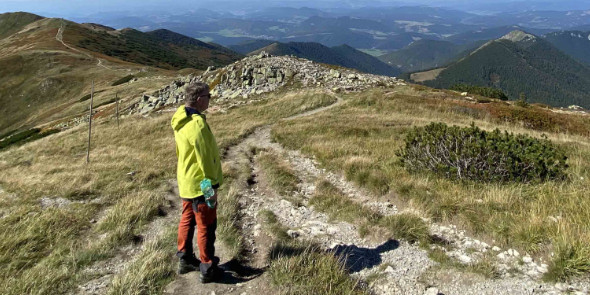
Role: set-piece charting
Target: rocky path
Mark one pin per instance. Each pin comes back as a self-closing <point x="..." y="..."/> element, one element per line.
<point x="393" y="267"/>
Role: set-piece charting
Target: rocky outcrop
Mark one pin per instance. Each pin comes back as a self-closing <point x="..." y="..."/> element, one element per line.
<point x="264" y="73"/>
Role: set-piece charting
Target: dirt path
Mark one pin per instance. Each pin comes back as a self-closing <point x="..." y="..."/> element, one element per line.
<point x="59" y="37"/>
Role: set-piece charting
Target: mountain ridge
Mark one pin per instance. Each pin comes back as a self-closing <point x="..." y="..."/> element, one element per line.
<point x="530" y="65"/>
<point x="47" y="65"/>
<point x="12" y="22"/>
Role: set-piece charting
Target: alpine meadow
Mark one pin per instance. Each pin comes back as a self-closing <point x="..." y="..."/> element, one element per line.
<point x="366" y="148"/>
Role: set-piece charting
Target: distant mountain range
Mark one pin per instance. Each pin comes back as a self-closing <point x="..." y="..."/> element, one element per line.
<point x="343" y="55"/>
<point x="520" y="63"/>
<point x="54" y="58"/>
<point x="384" y="28"/>
<point x="250" y="45"/>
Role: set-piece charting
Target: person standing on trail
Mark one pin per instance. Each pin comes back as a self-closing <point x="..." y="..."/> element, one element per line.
<point x="198" y="159"/>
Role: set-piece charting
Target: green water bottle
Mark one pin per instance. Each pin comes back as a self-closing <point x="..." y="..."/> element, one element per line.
<point x="208" y="192"/>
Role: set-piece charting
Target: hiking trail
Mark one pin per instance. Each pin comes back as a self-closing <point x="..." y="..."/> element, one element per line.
<point x="401" y="268"/>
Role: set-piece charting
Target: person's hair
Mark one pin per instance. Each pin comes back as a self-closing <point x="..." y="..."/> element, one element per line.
<point x="193" y="90"/>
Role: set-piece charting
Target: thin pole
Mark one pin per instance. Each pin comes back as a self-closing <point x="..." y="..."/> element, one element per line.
<point x="117" y="99"/>
<point x="90" y="124"/>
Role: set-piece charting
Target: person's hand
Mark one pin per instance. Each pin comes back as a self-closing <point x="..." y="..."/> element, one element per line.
<point x="214" y="197"/>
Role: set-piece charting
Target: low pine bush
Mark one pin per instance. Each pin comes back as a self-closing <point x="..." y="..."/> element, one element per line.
<point x="25" y="136"/>
<point x="123" y="80"/>
<point x="474" y="154"/>
<point x="483" y="91"/>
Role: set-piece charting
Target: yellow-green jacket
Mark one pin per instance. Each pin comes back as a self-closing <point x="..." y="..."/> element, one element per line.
<point x="197" y="152"/>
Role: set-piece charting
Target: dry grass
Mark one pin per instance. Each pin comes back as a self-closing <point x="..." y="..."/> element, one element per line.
<point x="535" y="218"/>
<point x="301" y="267"/>
<point x="280" y="176"/>
<point x="45" y="81"/>
<point x="151" y="271"/>
<point x="338" y="206"/>
<point x="274" y="106"/>
<point x="274" y="227"/>
<point x="45" y="249"/>
<point x="310" y="272"/>
<point x="106" y="204"/>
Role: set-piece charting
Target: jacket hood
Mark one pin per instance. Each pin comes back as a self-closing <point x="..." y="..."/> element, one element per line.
<point x="180" y="119"/>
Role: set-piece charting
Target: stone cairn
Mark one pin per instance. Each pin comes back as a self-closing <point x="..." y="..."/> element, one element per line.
<point x="263" y="73"/>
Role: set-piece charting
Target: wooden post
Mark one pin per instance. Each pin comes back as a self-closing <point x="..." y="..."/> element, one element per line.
<point x="90" y="124"/>
<point x="117" y="99"/>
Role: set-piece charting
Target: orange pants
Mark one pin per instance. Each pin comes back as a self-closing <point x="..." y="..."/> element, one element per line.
<point x="198" y="213"/>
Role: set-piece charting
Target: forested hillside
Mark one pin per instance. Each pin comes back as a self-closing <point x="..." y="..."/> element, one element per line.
<point x="426" y="54"/>
<point x="161" y="48"/>
<point x="522" y="63"/>
<point x="574" y="43"/>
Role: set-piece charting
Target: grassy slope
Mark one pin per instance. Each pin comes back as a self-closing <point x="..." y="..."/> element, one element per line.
<point x="538" y="219"/>
<point x="45" y="250"/>
<point x="43" y="81"/>
<point x="11" y="23"/>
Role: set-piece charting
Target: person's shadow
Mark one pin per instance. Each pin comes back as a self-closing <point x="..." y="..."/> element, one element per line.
<point x="234" y="272"/>
<point x="356" y="259"/>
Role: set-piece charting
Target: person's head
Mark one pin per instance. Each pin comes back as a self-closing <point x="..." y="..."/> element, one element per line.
<point x="197" y="96"/>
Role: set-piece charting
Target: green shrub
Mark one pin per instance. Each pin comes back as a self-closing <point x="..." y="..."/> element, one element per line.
<point x="123" y="80"/>
<point x="483" y="91"/>
<point x="87" y="96"/>
<point x="473" y="154"/>
<point x="25" y="136"/>
<point x="522" y="101"/>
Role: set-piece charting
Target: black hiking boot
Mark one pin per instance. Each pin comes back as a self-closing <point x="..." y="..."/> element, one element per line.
<point x="188" y="264"/>
<point x="211" y="275"/>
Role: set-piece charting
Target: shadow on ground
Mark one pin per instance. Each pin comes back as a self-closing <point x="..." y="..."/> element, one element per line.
<point x="234" y="272"/>
<point x="357" y="258"/>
